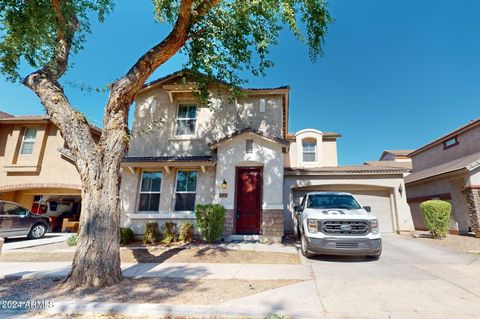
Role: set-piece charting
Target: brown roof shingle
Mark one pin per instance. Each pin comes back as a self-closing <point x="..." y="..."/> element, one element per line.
<point x="347" y="170"/>
<point x="4" y="115"/>
<point x="249" y="130"/>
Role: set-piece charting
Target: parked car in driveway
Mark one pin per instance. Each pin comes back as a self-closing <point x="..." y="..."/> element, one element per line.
<point x="334" y="223"/>
<point x="16" y="220"/>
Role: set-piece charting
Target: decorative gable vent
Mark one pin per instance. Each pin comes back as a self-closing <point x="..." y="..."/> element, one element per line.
<point x="248" y="146"/>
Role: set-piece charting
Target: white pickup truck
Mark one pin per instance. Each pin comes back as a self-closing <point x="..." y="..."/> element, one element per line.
<point x="333" y="223"/>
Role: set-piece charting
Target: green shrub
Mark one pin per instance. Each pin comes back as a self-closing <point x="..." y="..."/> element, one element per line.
<point x="72" y="240"/>
<point x="210" y="219"/>
<point x="437" y="217"/>
<point x="169" y="233"/>
<point x="186" y="233"/>
<point x="151" y="233"/>
<point x="126" y="235"/>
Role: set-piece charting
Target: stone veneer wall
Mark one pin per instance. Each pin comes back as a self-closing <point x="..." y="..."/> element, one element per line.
<point x="473" y="200"/>
<point x="272" y="225"/>
<point x="228" y="223"/>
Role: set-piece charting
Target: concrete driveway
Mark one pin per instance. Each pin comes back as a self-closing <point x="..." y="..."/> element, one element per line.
<point x="412" y="279"/>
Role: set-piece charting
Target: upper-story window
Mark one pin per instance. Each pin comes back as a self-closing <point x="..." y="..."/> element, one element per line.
<point x="186" y="119"/>
<point x="450" y="142"/>
<point x="309" y="151"/>
<point x="185" y="191"/>
<point x="28" y="141"/>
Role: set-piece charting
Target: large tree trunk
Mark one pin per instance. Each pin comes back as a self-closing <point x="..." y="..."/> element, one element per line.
<point x="97" y="257"/>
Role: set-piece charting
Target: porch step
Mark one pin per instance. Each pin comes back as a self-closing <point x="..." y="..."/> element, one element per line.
<point x="252" y="238"/>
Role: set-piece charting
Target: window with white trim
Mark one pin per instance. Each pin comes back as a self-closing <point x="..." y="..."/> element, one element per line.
<point x="150" y="191"/>
<point x="185" y="191"/>
<point x="309" y="151"/>
<point x="28" y="141"/>
<point x="186" y="119"/>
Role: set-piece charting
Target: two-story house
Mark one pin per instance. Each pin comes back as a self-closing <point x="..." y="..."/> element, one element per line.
<point x="449" y="169"/>
<point x="238" y="154"/>
<point x="35" y="167"/>
<point x="395" y="158"/>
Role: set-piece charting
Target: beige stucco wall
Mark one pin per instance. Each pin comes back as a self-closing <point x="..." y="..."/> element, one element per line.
<point x="129" y="194"/>
<point x="326" y="151"/>
<point x="468" y="144"/>
<point x="402" y="221"/>
<point x="53" y="169"/>
<point x="265" y="154"/>
<point x="213" y="123"/>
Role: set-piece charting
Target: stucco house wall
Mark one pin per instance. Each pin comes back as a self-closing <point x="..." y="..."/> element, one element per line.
<point x="468" y="143"/>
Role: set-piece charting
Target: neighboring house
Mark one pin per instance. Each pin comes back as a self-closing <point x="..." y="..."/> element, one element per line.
<point x="35" y="169"/>
<point x="449" y="169"/>
<point x="238" y="154"/>
<point x="393" y="158"/>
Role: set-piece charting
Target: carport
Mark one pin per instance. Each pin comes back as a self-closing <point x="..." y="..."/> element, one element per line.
<point x="381" y="188"/>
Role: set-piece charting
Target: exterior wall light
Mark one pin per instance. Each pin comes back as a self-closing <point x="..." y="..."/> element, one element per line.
<point x="224" y="184"/>
<point x="400" y="189"/>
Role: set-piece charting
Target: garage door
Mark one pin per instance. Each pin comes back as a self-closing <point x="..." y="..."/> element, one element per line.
<point x="379" y="200"/>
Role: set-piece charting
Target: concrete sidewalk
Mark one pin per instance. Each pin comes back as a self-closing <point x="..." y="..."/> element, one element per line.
<point x="167" y="270"/>
<point x="19" y="243"/>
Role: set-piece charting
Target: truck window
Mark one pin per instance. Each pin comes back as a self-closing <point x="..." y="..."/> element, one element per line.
<point x="330" y="201"/>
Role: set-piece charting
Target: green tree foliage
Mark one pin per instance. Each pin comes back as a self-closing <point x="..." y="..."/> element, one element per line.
<point x="437" y="217"/>
<point x="210" y="220"/>
<point x="225" y="35"/>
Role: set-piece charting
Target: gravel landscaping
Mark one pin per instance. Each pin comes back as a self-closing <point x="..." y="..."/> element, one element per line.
<point x="159" y="254"/>
<point x="468" y="244"/>
<point x="140" y="290"/>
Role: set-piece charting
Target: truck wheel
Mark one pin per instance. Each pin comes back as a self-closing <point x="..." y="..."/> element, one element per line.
<point x="374" y="257"/>
<point x="303" y="242"/>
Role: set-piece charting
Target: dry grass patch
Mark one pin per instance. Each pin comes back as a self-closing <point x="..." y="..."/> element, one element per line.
<point x="159" y="254"/>
<point x="140" y="290"/>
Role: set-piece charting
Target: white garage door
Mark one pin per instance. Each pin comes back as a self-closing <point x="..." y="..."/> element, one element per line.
<point x="378" y="200"/>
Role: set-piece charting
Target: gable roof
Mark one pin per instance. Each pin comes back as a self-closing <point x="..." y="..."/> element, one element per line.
<point x="464" y="128"/>
<point x="284" y="91"/>
<point x="31" y="119"/>
<point x="215" y="144"/>
<point x="396" y="153"/>
<point x="325" y="135"/>
<point x="4" y="115"/>
<point x="466" y="162"/>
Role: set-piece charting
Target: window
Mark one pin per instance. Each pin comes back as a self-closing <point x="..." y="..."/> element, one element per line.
<point x="186" y="191"/>
<point x="248" y="146"/>
<point x="186" y="120"/>
<point x="150" y="192"/>
<point x="309" y="151"/>
<point x="28" y="141"/>
<point x="327" y="201"/>
<point x="450" y="143"/>
<point x="12" y="209"/>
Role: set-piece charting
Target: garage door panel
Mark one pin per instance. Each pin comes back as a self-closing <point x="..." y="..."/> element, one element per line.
<point x="378" y="200"/>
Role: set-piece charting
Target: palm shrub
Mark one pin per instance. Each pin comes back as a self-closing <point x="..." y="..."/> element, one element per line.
<point x="169" y="233"/>
<point x="151" y="233"/>
<point x="126" y="235"/>
<point x="437" y="217"/>
<point x="210" y="220"/>
<point x="186" y="232"/>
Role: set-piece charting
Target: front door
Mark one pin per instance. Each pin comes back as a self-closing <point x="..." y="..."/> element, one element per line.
<point x="249" y="200"/>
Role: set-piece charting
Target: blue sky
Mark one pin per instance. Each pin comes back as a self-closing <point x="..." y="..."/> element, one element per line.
<point x="395" y="75"/>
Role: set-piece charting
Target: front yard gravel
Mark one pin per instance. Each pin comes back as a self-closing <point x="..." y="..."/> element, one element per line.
<point x="468" y="244"/>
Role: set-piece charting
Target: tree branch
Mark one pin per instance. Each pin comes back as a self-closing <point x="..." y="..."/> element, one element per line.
<point x="44" y="82"/>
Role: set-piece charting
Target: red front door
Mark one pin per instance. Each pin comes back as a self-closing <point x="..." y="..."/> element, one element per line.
<point x="249" y="200"/>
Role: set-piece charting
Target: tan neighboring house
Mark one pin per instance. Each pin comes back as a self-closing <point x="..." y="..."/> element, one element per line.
<point x="35" y="169"/>
<point x="449" y="169"/>
<point x="239" y="154"/>
<point x="393" y="158"/>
